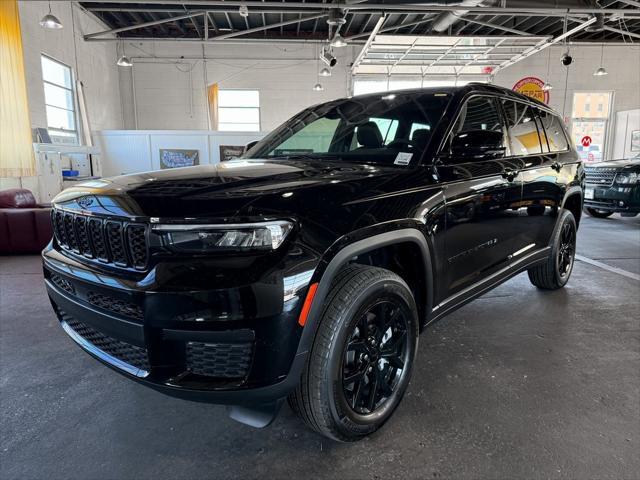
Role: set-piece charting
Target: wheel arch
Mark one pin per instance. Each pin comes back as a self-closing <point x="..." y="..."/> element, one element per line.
<point x="365" y="248"/>
<point x="573" y="201"/>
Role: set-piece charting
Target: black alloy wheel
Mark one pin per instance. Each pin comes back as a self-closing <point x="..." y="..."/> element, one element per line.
<point x="567" y="249"/>
<point x="375" y="357"/>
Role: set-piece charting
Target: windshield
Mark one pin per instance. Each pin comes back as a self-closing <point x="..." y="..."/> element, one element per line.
<point x="388" y="129"/>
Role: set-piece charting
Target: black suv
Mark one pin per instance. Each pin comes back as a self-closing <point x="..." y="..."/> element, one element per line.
<point x="613" y="187"/>
<point x="307" y="268"/>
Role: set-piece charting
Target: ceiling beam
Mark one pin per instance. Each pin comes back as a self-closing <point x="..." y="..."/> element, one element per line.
<point x="398" y="8"/>
<point x="545" y="44"/>
<point x="265" y="27"/>
<point x="142" y="25"/>
<point x="365" y="48"/>
<point x="499" y="27"/>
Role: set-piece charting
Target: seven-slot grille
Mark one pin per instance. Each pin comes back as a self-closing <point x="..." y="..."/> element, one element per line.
<point x="109" y="241"/>
<point x="600" y="176"/>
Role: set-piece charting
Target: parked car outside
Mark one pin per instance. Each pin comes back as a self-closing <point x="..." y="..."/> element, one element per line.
<point x="307" y="269"/>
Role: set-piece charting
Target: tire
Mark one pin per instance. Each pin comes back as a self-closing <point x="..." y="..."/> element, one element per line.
<point x="555" y="272"/>
<point x="594" y="212"/>
<point x="343" y="366"/>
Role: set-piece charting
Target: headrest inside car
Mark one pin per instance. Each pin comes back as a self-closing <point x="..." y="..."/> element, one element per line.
<point x="369" y="135"/>
<point x="420" y="138"/>
<point x="17" y="198"/>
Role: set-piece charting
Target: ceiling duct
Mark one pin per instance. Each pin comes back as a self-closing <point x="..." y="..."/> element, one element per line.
<point x="443" y="21"/>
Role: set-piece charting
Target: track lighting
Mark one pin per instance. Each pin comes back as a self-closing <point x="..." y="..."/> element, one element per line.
<point x="327" y="57"/>
<point x="50" y="21"/>
<point x="338" y="41"/>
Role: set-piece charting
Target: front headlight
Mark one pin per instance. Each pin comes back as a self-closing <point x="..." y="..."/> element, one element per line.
<point x="212" y="238"/>
<point x="626" y="178"/>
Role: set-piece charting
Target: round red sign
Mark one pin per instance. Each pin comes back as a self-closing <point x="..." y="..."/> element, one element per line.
<point x="532" y="87"/>
<point x="586" y="141"/>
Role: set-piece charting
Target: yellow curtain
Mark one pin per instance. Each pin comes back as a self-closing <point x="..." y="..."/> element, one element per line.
<point x="16" y="152"/>
<point x="212" y="97"/>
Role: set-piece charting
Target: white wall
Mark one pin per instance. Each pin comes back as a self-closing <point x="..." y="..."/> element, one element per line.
<point x="95" y="65"/>
<point x="171" y="95"/>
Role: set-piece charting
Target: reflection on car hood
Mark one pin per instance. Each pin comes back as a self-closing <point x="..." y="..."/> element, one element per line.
<point x="233" y="188"/>
<point x="628" y="163"/>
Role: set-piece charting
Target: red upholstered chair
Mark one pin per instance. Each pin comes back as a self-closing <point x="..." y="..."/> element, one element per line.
<point x="25" y="226"/>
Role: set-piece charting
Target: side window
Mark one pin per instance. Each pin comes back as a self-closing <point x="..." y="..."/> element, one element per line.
<point x="479" y="113"/>
<point x="521" y="125"/>
<point x="554" y="132"/>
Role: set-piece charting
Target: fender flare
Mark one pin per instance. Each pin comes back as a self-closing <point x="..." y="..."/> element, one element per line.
<point x="341" y="258"/>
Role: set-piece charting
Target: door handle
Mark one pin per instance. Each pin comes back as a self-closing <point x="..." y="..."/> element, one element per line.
<point x="510" y="174"/>
<point x="557" y="166"/>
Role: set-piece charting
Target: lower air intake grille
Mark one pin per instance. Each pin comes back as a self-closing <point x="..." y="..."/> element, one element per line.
<point x="63" y="284"/>
<point x="221" y="360"/>
<point x="123" y="351"/>
<point x="114" y="305"/>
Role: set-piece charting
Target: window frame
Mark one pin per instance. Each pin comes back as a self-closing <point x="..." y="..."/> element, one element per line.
<point x="218" y="107"/>
<point x="77" y="132"/>
<point x="546" y="135"/>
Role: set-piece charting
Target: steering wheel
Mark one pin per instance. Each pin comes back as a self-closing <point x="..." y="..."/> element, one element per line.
<point x="400" y="142"/>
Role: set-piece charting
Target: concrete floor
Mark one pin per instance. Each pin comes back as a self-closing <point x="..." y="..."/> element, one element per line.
<point x="518" y="384"/>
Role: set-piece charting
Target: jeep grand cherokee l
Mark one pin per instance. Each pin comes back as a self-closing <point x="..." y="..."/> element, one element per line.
<point x="306" y="269"/>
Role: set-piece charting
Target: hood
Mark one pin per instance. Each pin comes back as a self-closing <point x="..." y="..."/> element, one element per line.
<point x="628" y="163"/>
<point x="239" y="188"/>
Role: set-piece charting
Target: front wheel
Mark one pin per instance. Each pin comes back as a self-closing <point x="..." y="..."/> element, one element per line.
<point x="594" y="212"/>
<point x="361" y="359"/>
<point x="556" y="271"/>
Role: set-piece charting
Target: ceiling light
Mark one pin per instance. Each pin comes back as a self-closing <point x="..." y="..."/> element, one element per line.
<point x="243" y="11"/>
<point x="338" y="41"/>
<point x="547" y="86"/>
<point x="50" y="21"/>
<point x="124" y="61"/>
<point x="600" y="72"/>
<point x="327" y="57"/>
<point x="318" y="87"/>
<point x="325" y="72"/>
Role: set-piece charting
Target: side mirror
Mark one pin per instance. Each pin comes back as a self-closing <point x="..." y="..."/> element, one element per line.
<point x="250" y="145"/>
<point x="477" y="144"/>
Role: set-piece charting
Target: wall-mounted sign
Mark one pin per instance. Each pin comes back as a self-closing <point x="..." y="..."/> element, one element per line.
<point x="532" y="87"/>
<point x="175" y="158"/>
<point x="230" y="152"/>
<point x="586" y="141"/>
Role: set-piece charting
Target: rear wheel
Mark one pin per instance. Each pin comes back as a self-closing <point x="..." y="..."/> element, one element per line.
<point x="556" y="271"/>
<point x="361" y="359"/>
<point x="594" y="212"/>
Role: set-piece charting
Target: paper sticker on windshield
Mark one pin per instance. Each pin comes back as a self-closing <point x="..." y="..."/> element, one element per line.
<point x="403" y="158"/>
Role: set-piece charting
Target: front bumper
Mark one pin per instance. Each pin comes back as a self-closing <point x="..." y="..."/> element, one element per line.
<point x="237" y="346"/>
<point x="615" y="198"/>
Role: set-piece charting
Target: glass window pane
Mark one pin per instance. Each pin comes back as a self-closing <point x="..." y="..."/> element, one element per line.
<point x="239" y="127"/>
<point x="554" y="132"/>
<point x="583" y="101"/>
<point x="594" y="129"/>
<point x="238" y="98"/>
<point x="479" y="113"/>
<point x="58" y="96"/>
<point x="239" y="115"/>
<point x="60" y="118"/>
<point x="521" y="125"/>
<point x="55" y="72"/>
